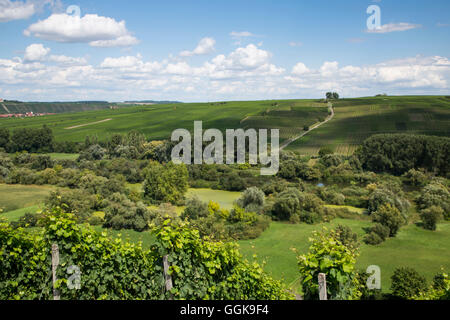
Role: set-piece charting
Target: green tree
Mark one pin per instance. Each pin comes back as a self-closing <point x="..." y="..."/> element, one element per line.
<point x="165" y="183"/>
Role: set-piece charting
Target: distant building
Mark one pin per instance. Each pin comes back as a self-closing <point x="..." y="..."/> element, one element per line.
<point x="1" y="100"/>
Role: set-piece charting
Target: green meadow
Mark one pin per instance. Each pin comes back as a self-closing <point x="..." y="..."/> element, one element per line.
<point x="13" y="197"/>
<point x="424" y="250"/>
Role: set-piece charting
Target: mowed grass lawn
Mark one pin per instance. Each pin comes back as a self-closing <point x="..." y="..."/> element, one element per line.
<point x="425" y="251"/>
<point x="13" y="197"/>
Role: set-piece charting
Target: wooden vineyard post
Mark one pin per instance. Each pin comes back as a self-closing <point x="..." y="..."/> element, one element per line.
<point x="167" y="276"/>
<point x="322" y="286"/>
<point x="55" y="263"/>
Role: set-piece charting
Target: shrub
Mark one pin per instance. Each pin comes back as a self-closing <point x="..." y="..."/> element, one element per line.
<point x="195" y="209"/>
<point x="435" y="194"/>
<point x="407" y="283"/>
<point x="389" y="217"/>
<point x="287" y="204"/>
<point x="416" y="178"/>
<point x="165" y="183"/>
<point x="252" y="200"/>
<point x="377" y="234"/>
<point x="373" y="239"/>
<point x="94" y="152"/>
<point x="431" y="216"/>
<point x="122" y="213"/>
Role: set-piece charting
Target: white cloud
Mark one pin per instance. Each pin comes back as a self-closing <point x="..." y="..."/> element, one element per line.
<point x="300" y="69"/>
<point x="65" y="60"/>
<point x="205" y="46"/>
<point x="15" y="10"/>
<point x="35" y="52"/>
<point x="97" y="30"/>
<point x="392" y="27"/>
<point x="244" y="73"/>
<point x="328" y="68"/>
<point x="123" y="41"/>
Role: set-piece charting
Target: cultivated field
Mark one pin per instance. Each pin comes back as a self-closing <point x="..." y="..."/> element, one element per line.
<point x="357" y="119"/>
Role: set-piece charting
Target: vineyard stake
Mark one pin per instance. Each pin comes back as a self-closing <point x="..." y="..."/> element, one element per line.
<point x="167" y="276"/>
<point x="322" y="286"/>
<point x="55" y="263"/>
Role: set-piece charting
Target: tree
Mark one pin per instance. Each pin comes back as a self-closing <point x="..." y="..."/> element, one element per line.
<point x="165" y="183"/>
<point x="407" y="283"/>
<point x="390" y="217"/>
<point x="4" y="138"/>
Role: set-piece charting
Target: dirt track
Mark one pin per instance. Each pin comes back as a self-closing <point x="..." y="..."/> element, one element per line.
<point x="87" y="124"/>
<point x="284" y="145"/>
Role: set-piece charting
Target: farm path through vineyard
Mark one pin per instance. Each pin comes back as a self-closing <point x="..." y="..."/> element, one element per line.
<point x="329" y="118"/>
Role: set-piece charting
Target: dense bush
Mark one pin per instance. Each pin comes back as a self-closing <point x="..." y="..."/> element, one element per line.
<point x="165" y="183"/>
<point x="407" y="283"/>
<point x="195" y="209"/>
<point x="435" y="194"/>
<point x="252" y="200"/>
<point x="431" y="216"/>
<point x="377" y="234"/>
<point x="389" y="217"/>
<point x="122" y="213"/>
<point x="383" y="195"/>
<point x="398" y="153"/>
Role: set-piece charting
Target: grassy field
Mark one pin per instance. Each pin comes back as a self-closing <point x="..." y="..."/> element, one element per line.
<point x="13" y="197"/>
<point x="158" y="121"/>
<point x="15" y="215"/>
<point x="423" y="250"/>
<point x="224" y="198"/>
<point x="357" y="119"/>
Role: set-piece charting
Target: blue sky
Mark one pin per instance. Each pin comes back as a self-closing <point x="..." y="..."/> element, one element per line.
<point x="221" y="50"/>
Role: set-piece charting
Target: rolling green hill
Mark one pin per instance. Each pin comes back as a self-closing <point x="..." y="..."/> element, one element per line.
<point x="355" y="120"/>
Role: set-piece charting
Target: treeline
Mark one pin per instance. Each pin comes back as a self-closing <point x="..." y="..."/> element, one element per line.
<point x="398" y="153"/>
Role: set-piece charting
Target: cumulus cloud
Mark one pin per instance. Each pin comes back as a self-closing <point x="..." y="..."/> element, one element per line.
<point x="393" y="27"/>
<point x="300" y="69"/>
<point x="96" y="30"/>
<point x="35" y="52"/>
<point x="205" y="46"/>
<point x="244" y="73"/>
<point x="15" y="10"/>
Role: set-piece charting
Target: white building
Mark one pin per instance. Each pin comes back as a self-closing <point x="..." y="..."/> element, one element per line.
<point x="1" y="100"/>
